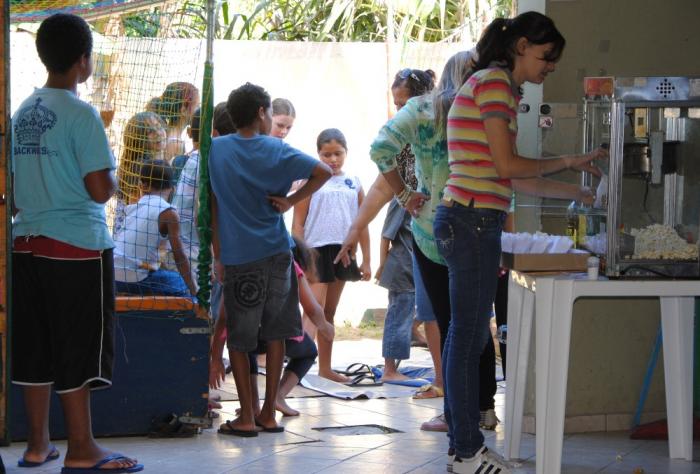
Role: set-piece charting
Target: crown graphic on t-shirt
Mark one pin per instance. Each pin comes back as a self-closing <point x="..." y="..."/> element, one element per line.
<point x="32" y="122"/>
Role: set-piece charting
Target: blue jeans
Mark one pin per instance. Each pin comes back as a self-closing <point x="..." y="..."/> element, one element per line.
<point x="396" y="341"/>
<point x="159" y="282"/>
<point x="424" y="309"/>
<point x="469" y="239"/>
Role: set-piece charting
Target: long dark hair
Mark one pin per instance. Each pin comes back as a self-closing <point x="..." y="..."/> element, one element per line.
<point x="497" y="44"/>
<point x="417" y="82"/>
<point x="305" y="258"/>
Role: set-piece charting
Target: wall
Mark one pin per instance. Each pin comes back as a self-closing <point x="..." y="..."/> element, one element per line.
<point x="613" y="338"/>
<point x="623" y="37"/>
<point x="341" y="85"/>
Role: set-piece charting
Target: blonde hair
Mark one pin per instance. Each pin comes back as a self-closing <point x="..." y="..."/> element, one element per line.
<point x="143" y="137"/>
<point x="456" y="72"/>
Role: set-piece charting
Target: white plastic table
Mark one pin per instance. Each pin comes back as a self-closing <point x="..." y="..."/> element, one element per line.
<point x="549" y="300"/>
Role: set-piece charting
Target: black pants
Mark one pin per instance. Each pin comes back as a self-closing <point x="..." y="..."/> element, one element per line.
<point x="301" y="356"/>
<point x="437" y="285"/>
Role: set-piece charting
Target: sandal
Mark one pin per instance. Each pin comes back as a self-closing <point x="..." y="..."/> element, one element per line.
<point x="364" y="380"/>
<point x="429" y="391"/>
<point x="170" y="427"/>
<point x="355" y="369"/>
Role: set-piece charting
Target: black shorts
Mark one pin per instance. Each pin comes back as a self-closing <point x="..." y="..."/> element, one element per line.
<point x="328" y="272"/>
<point x="63" y="308"/>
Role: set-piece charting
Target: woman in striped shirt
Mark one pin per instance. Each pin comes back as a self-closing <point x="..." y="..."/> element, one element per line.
<point x="484" y="169"/>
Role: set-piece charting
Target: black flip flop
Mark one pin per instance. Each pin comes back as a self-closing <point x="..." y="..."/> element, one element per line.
<point x="358" y="368"/>
<point x="276" y="429"/>
<point x="231" y="431"/>
<point x="364" y="380"/>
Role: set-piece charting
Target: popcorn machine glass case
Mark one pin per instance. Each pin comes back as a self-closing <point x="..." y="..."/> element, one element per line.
<point x="646" y="219"/>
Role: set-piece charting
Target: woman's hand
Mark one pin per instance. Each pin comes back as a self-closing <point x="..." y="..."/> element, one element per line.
<point x="365" y="270"/>
<point x="327" y="331"/>
<point x="280" y="203"/>
<point x="415" y="203"/>
<point x="584" y="162"/>
<point x="217" y="372"/>
<point x="348" y="247"/>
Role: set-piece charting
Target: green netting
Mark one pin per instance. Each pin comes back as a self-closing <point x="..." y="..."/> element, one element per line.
<point x="204" y="215"/>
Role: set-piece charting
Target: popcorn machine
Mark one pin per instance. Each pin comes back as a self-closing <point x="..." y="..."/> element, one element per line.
<point x="646" y="218"/>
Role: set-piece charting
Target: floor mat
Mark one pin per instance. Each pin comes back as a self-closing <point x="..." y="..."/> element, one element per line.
<point x="228" y="391"/>
<point x="339" y="390"/>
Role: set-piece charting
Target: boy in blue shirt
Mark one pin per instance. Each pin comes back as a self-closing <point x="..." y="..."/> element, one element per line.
<point x="63" y="276"/>
<point x="251" y="174"/>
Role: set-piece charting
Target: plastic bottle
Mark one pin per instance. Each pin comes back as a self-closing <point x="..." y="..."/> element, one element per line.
<point x="572" y="222"/>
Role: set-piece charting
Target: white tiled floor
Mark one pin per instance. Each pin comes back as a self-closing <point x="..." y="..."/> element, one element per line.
<point x="304" y="450"/>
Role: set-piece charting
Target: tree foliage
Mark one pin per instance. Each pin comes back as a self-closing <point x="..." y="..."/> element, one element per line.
<point x="325" y="20"/>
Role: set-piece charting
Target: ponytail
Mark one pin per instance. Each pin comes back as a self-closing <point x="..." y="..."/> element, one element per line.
<point x="498" y="42"/>
<point x="416" y="81"/>
<point x="170" y="105"/>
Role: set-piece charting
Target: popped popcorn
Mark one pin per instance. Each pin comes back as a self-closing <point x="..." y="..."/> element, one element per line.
<point x="661" y="242"/>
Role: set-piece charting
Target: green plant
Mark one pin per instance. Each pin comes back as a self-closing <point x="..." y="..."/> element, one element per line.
<point x="329" y="20"/>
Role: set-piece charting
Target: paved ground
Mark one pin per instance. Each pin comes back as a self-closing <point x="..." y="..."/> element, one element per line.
<point x="302" y="449"/>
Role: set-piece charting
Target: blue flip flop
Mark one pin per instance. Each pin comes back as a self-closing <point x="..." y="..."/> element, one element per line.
<point x="408" y="382"/>
<point x="53" y="455"/>
<point x="97" y="468"/>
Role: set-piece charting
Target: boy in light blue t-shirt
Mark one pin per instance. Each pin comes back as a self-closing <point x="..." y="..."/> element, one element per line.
<point x="63" y="275"/>
<point x="251" y="174"/>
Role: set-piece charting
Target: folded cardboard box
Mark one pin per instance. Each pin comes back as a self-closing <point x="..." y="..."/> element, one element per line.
<point x="574" y="261"/>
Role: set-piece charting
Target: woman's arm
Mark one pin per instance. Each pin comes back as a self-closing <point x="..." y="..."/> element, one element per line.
<point x="550" y="188"/>
<point x="169" y="221"/>
<point x="378" y="195"/>
<point x="510" y="165"/>
<point x="314" y="310"/>
<point x="365" y="268"/>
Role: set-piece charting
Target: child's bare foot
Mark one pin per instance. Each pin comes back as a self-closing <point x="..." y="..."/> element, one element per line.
<point x="282" y="407"/>
<point x="334" y="376"/>
<point x="393" y="376"/>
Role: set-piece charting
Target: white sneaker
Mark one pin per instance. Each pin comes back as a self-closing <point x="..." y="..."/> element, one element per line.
<point x="450" y="461"/>
<point x="483" y="462"/>
<point x="488" y="419"/>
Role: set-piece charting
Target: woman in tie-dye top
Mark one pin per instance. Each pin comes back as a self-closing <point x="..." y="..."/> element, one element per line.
<point x="481" y="133"/>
